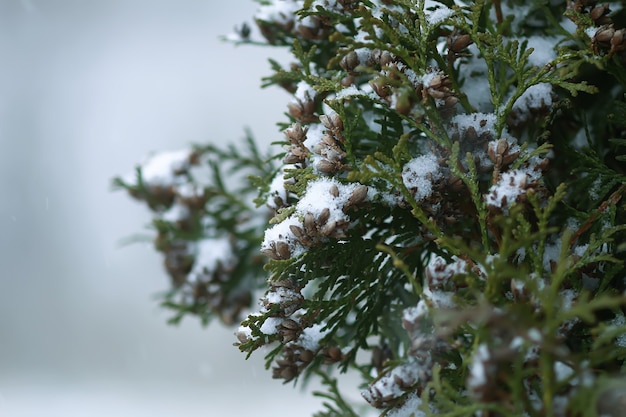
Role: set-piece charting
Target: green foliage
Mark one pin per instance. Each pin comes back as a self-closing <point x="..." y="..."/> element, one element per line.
<point x="447" y="221"/>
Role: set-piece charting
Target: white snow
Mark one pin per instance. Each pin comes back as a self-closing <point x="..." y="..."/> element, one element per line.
<point x="438" y="15"/>
<point x="478" y="372"/>
<point x="591" y="31"/>
<point x="304" y="92"/>
<point x="280" y="11"/>
<point x="361" y="36"/>
<point x="189" y="190"/>
<point x="208" y="252"/>
<point x="311" y="337"/>
<point x="349" y="92"/>
<point x="163" y="169"/>
<point x="419" y="174"/>
<point x="516" y="343"/>
<point x="363" y="54"/>
<point x="244" y="332"/>
<point x="476" y="83"/>
<point x="535" y="97"/>
<point x="364" y="90"/>
<point x="387" y="386"/>
<point x="595" y="188"/>
<point x="412" y="314"/>
<point x="543" y="49"/>
<point x="429" y="75"/>
<point x="279" y="295"/>
<point x="270" y="325"/>
<point x="535" y="335"/>
<point x="440" y="270"/>
<point x="313" y="136"/>
<point x="277" y="189"/>
<point x="318" y="197"/>
<point x="282" y="233"/>
<point x="562" y="371"/>
<point x="439" y="299"/>
<point x="551" y="253"/>
<point x="409" y="409"/>
<point x="331" y="5"/>
<point x="511" y="185"/>
<point x="481" y="122"/>
<point x="176" y="213"/>
<point x="580" y="250"/>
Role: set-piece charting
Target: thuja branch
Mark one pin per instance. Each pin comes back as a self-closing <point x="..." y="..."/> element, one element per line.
<point x="443" y="215"/>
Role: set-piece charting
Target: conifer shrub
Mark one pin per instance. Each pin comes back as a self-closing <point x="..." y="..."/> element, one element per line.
<point x="442" y="214"/>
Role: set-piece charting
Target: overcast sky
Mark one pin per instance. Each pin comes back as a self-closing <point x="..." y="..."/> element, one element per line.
<point x="87" y="89"/>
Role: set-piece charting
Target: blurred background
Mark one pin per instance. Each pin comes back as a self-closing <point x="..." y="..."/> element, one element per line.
<point x="87" y="89"/>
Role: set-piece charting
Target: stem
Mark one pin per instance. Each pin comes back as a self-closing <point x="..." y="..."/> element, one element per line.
<point x="399" y="263"/>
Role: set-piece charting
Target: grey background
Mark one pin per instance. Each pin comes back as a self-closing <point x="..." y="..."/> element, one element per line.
<point x="87" y="89"/>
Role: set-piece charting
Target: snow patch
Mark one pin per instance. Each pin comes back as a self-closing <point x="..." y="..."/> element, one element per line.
<point x="282" y="12"/>
<point x="164" y="169"/>
<point x="209" y="253"/>
<point x="410" y="408"/>
<point x="438" y="15"/>
<point x="419" y="174"/>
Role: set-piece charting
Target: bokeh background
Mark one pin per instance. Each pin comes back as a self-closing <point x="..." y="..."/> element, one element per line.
<point x="87" y="89"/>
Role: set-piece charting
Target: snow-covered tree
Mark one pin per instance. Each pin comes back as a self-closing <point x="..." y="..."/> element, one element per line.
<point x="443" y="215"/>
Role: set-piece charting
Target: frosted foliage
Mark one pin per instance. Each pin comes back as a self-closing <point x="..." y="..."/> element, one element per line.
<point x="429" y="75"/>
<point x="388" y="386"/>
<point x="535" y="97"/>
<point x="419" y="174"/>
<point x="410" y="408"/>
<point x="440" y="271"/>
<point x="318" y="197"/>
<point x="304" y="92"/>
<point x="439" y="299"/>
<point x="439" y="15"/>
<point x="480" y="122"/>
<point x="164" y="169"/>
<point x="208" y="253"/>
<point x="415" y="79"/>
<point x="511" y="185"/>
<point x="279" y="295"/>
<point x="282" y="233"/>
<point x="364" y="90"/>
<point x="412" y="314"/>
